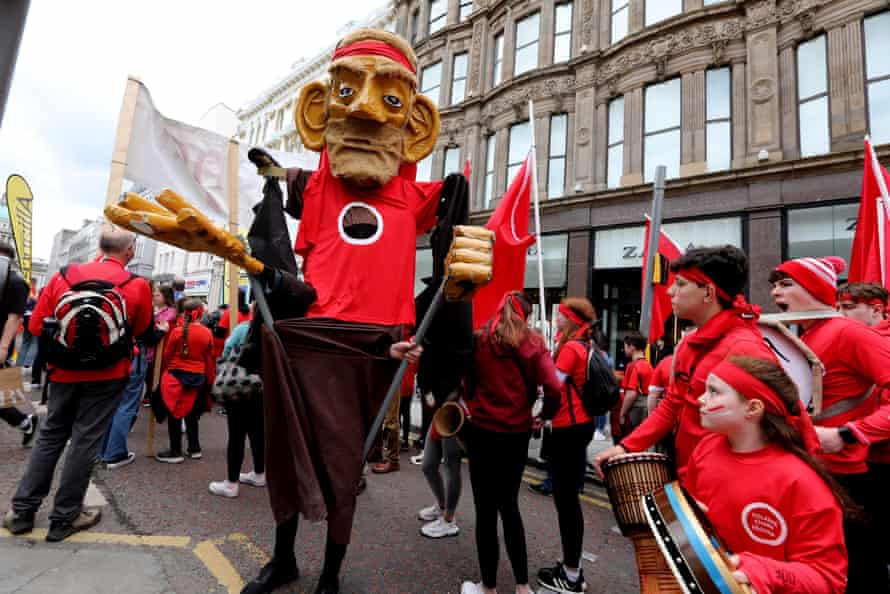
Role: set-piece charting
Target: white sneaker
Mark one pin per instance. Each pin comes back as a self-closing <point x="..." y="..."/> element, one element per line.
<point x="471" y="588"/>
<point x="599" y="435"/>
<point x="253" y="479"/>
<point x="439" y="529"/>
<point x="224" y="488"/>
<point x="428" y="514"/>
<point x="418" y="459"/>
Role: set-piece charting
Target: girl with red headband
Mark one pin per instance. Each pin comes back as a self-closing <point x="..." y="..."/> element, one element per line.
<point x="509" y="363"/>
<point x="783" y="513"/>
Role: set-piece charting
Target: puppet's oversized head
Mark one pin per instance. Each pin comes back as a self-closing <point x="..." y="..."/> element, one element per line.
<point x="369" y="115"/>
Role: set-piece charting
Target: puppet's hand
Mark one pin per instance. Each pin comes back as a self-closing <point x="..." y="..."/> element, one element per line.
<point x="179" y="223"/>
<point x="469" y="262"/>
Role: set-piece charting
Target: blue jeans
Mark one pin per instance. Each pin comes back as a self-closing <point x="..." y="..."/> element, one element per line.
<point x="114" y="443"/>
<point x="28" y="350"/>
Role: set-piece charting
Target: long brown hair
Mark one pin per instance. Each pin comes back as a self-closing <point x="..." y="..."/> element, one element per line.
<point x="582" y="308"/>
<point x="508" y="324"/>
<point x="777" y="429"/>
<point x="189" y="307"/>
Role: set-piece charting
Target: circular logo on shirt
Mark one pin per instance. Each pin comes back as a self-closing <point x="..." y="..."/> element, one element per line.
<point x="360" y="224"/>
<point x="764" y="524"/>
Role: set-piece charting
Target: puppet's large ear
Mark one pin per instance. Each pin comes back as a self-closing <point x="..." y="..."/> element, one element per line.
<point x="422" y="129"/>
<point x="310" y="115"/>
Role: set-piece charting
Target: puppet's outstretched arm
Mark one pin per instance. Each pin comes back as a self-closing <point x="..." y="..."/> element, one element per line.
<point x="178" y="223"/>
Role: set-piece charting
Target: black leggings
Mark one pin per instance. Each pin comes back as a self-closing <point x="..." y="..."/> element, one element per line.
<point x="497" y="461"/>
<point x="245" y="419"/>
<point x="405" y="417"/>
<point x="568" y="449"/>
<point x="174" y="430"/>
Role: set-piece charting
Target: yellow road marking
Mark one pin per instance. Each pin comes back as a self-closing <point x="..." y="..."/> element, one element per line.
<point x="532" y="478"/>
<point x="178" y="542"/>
<point x="256" y="552"/>
<point x="219" y="566"/>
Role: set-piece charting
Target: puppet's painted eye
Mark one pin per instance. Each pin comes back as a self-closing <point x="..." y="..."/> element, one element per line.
<point x="346" y="92"/>
<point x="392" y="100"/>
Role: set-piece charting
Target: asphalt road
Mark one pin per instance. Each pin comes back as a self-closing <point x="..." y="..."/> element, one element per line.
<point x="161" y="523"/>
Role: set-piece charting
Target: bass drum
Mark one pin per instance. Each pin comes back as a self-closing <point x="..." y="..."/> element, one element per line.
<point x="800" y="363"/>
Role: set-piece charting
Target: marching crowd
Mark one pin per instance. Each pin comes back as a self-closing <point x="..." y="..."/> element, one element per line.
<point x="803" y="512"/>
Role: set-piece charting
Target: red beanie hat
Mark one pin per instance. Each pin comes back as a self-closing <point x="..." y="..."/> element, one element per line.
<point x="816" y="275"/>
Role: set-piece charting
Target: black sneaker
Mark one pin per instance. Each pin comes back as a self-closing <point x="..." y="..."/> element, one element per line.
<point x="59" y="531"/>
<point x="18" y="522"/>
<point x="273" y="575"/>
<point x="195" y="454"/>
<point x="127" y="458"/>
<point x="169" y="457"/>
<point x="28" y="436"/>
<point x="556" y="580"/>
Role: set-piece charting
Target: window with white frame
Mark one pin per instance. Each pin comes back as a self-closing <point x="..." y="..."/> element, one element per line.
<point x="425" y="169"/>
<point x="497" y="59"/>
<point x="556" y="161"/>
<point x="877" y="75"/>
<point x="718" y="127"/>
<point x="528" y="34"/>
<point x="661" y="132"/>
<point x="459" y="78"/>
<point x="438" y="15"/>
<point x="466" y="7"/>
<point x="709" y="2"/>
<point x="452" y="161"/>
<point x="488" y="191"/>
<point x="562" y="33"/>
<point x="615" y="146"/>
<point x="812" y="96"/>
<point x="620" y="16"/>
<point x="431" y="81"/>
<point x="519" y="144"/>
<point x="659" y="10"/>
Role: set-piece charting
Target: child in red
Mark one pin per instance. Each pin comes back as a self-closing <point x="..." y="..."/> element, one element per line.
<point x="635" y="385"/>
<point x="782" y="516"/>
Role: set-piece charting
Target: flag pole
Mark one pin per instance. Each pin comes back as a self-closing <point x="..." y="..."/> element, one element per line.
<point x="654" y="234"/>
<point x="122" y="140"/>
<point x="234" y="271"/>
<point x="544" y="318"/>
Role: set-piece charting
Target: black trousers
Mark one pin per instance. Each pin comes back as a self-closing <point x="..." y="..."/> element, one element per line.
<point x="867" y="568"/>
<point x="405" y="417"/>
<point x="245" y="420"/>
<point x="497" y="461"/>
<point x="568" y="450"/>
<point x="13" y="416"/>
<point x="174" y="431"/>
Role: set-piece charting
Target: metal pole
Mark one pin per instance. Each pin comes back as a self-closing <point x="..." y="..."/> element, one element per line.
<point x="12" y="26"/>
<point x="654" y="234"/>
<point x="544" y="318"/>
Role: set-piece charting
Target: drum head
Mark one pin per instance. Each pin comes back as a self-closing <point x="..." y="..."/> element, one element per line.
<point x="787" y="349"/>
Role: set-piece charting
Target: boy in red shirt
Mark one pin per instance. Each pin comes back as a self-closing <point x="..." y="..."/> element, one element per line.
<point x="857" y="364"/>
<point x="635" y="385"/>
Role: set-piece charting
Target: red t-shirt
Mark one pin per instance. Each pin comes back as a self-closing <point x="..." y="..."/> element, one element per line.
<point x="139" y="313"/>
<point x="661" y="377"/>
<point x="358" y="246"/>
<point x="855" y="357"/>
<point x="637" y="376"/>
<point x="779" y="516"/>
<point x="572" y="360"/>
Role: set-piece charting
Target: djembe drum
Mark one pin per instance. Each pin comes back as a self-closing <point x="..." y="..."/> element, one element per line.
<point x="628" y="478"/>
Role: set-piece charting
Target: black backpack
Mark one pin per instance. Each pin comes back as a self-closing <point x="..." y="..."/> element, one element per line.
<point x="600" y="391"/>
<point x="90" y="329"/>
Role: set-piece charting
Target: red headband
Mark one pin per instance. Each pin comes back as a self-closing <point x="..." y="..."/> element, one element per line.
<point x="696" y="275"/>
<point x="867" y="301"/>
<point x="750" y="387"/>
<point x="514" y="303"/>
<point x="568" y="313"/>
<point x="374" y="48"/>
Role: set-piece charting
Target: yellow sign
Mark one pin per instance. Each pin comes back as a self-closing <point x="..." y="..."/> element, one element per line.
<point x="19" y="200"/>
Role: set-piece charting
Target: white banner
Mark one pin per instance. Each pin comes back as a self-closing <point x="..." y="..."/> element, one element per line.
<point x="191" y="161"/>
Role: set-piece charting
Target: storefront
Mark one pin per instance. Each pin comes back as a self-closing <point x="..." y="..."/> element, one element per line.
<point x="821" y="231"/>
<point x="197" y="284"/>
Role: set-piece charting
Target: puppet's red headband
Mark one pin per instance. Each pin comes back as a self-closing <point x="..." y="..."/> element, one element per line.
<point x="374" y="48"/>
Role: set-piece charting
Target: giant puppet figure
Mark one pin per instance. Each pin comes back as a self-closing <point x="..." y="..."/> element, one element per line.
<point x="327" y="365"/>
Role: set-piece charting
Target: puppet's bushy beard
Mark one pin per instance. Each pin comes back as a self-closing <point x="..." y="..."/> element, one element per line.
<point x="364" y="153"/>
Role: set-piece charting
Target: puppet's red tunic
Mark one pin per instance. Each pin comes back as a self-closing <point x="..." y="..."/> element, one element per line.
<point x="777" y="514"/>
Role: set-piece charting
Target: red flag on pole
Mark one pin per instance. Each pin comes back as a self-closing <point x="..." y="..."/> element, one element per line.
<point x="662" y="277"/>
<point x="512" y="239"/>
<point x="870" y="257"/>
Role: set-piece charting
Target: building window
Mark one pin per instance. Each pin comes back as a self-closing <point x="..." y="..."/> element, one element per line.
<point x="431" y="81"/>
<point x="520" y="143"/>
<point x="822" y="231"/>
<point x="425" y="169"/>
<point x="488" y="191"/>
<point x="615" y="147"/>
<point x="620" y="12"/>
<point x="459" y="78"/>
<point x="719" y="120"/>
<point x="877" y="74"/>
<point x="556" y="162"/>
<point x="528" y="32"/>
<point x="661" y="134"/>
<point x="812" y="94"/>
<point x="709" y="2"/>
<point x="659" y="10"/>
<point x="466" y="7"/>
<point x="452" y="161"/>
<point x="498" y="59"/>
<point x="562" y="33"/>
<point x="438" y="15"/>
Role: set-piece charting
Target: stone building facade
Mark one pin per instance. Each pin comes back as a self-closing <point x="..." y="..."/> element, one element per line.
<point x="757" y="108"/>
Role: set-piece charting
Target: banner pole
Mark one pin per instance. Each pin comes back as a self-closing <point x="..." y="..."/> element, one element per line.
<point x="122" y="140"/>
<point x="544" y="317"/>
<point x="234" y="271"/>
<point x="654" y="234"/>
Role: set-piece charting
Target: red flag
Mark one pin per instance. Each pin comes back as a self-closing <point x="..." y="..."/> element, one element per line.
<point x="512" y="239"/>
<point x="865" y="260"/>
<point x="467" y="170"/>
<point x="662" y="278"/>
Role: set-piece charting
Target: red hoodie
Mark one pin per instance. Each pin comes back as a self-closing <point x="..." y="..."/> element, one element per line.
<point x="779" y="516"/>
<point x="874" y="429"/>
<point x="500" y="401"/>
<point x="723" y="336"/>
